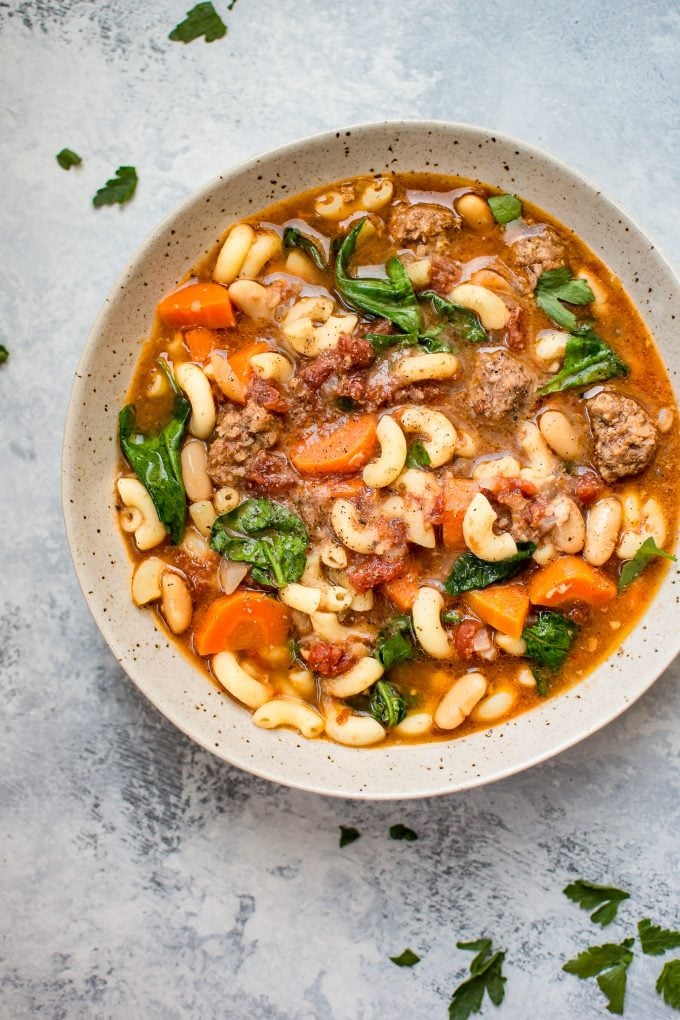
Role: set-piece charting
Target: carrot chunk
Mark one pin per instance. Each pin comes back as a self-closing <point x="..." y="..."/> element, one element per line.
<point x="343" y="450"/>
<point x="200" y="342"/>
<point x="233" y="374"/>
<point x="570" y="577"/>
<point x="402" y="590"/>
<point x="458" y="494"/>
<point x="198" y="304"/>
<point x="240" y="361"/>
<point x="242" y="621"/>
<point x="503" y="606"/>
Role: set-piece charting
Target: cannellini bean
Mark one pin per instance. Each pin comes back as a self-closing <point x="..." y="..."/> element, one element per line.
<point x="427" y="609"/>
<point x="560" y="434"/>
<point x="289" y="712"/>
<point x="353" y="730"/>
<point x="332" y="206"/>
<point x="641" y="523"/>
<point x="419" y="367"/>
<point x="569" y="534"/>
<point x="439" y="435"/>
<point x="492" y="311"/>
<point x="240" y="684"/>
<point x="479" y="535"/>
<point x="272" y="366"/>
<point x="233" y="253"/>
<point x="195" y="545"/>
<point x="551" y="345"/>
<point x="298" y="264"/>
<point x="265" y="247"/>
<point x="511" y="645"/>
<point x="600" y="302"/>
<point x="475" y="210"/>
<point x="493" y="707"/>
<point x="458" y="702"/>
<point x="357" y="679"/>
<point x="544" y="554"/>
<point x="176" y="602"/>
<point x="158" y="386"/>
<point x="416" y="725"/>
<point x="390" y="463"/>
<point x="226" y="499"/>
<point x="525" y="678"/>
<point x="146" y="580"/>
<point x="195" y="476"/>
<point x="419" y="272"/>
<point x="254" y="300"/>
<point x="150" y="532"/>
<point x="197" y="388"/>
<point x="602" y="530"/>
<point x="361" y="538"/>
<point x="203" y="515"/>
<point x="377" y="194"/>
<point x="664" y="419"/>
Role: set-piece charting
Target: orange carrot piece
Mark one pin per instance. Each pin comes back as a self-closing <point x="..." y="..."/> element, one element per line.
<point x="458" y="494"/>
<point x="402" y="590"/>
<point x="570" y="577"/>
<point x="232" y="374"/>
<point x="238" y="622"/>
<point x="503" y="606"/>
<point x="200" y="342"/>
<point x="343" y="450"/>
<point x="240" y="361"/>
<point x="346" y="488"/>
<point x="198" y="304"/>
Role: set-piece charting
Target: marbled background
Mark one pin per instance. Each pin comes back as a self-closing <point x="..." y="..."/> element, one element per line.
<point x="140" y="877"/>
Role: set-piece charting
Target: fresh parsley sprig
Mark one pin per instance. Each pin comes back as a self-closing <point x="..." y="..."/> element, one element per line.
<point x="668" y="983"/>
<point x="648" y="551"/>
<point x="588" y="895"/>
<point x="505" y="208"/>
<point x="486" y="977"/>
<point x="67" y="158"/>
<point x="406" y="959"/>
<point x="201" y="20"/>
<point x="118" y="189"/>
<point x="558" y="285"/>
<point x="400" y="831"/>
<point x="655" y="940"/>
<point x="348" y="834"/>
<point x="609" y="963"/>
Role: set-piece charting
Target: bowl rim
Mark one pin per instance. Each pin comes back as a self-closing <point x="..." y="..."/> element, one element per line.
<point x="105" y="622"/>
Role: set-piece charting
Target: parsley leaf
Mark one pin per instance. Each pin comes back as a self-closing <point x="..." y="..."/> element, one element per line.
<point x="647" y="551"/>
<point x="612" y="959"/>
<point x="549" y="640"/>
<point x="400" y="831"/>
<point x="294" y="238"/>
<point x="406" y="959"/>
<point x="348" y="834"/>
<point x="469" y="572"/>
<point x="265" y="534"/>
<point x="587" y="360"/>
<point x="418" y="456"/>
<point x="452" y="616"/>
<point x="4" y="354"/>
<point x="201" y="20"/>
<point x="67" y="158"/>
<point x="487" y="976"/>
<point x="589" y="895"/>
<point x="394" y="642"/>
<point x="505" y="208"/>
<point x="387" y="705"/>
<point x="668" y="983"/>
<point x="118" y="189"/>
<point x="557" y="285"/>
<point x="655" y="940"/>
<point x="465" y="324"/>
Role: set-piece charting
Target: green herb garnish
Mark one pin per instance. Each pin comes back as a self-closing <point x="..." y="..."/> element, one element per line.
<point x="418" y="456"/>
<point x="505" y="208"/>
<point x="394" y="643"/>
<point x="430" y="340"/>
<point x="201" y="20"/>
<point x="668" y="983"/>
<point x="393" y="298"/>
<point x="648" y="551"/>
<point x="587" y="360"/>
<point x="465" y="324"/>
<point x="387" y="705"/>
<point x="294" y="238"/>
<point x="470" y="572"/>
<point x="118" y="189"/>
<point x="548" y="642"/>
<point x="487" y="976"/>
<point x="400" y="831"/>
<point x="156" y="461"/>
<point x="611" y="962"/>
<point x="265" y="534"/>
<point x="588" y="895"/>
<point x="406" y="959"/>
<point x="4" y="354"/>
<point x="452" y="616"/>
<point x="558" y="285"/>
<point x="656" y="940"/>
<point x="348" y="834"/>
<point x="68" y="158"/>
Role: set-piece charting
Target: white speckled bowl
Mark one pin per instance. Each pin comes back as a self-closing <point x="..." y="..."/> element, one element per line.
<point x="165" y="676"/>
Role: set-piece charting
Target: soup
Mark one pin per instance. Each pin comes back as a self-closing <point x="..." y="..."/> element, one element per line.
<point x="399" y="461"/>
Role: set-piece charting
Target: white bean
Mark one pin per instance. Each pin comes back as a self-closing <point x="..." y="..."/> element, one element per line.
<point x="265" y="246"/>
<point x="416" y="725"/>
<point x="175" y="602"/>
<point x="569" y="534"/>
<point x="419" y="272"/>
<point x="494" y="706"/>
<point x="233" y="253"/>
<point x="197" y="388"/>
<point x="146" y="580"/>
<point x="475" y="210"/>
<point x="511" y="645"/>
<point x="458" y="702"/>
<point x="525" y="678"/>
<point x="203" y="515"/>
<point x="427" y="609"/>
<point x="560" y="434"/>
<point x="602" y="530"/>
<point x="195" y="476"/>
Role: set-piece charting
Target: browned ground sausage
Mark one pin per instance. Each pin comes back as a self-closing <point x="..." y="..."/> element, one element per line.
<point x="499" y="386"/>
<point x="625" y="436"/>
<point x="410" y="224"/>
<point x="539" y="252"/>
<point x="239" y="434"/>
<point x="269" y="473"/>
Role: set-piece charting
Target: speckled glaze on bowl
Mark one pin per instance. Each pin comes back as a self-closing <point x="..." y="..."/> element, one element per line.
<point x="161" y="672"/>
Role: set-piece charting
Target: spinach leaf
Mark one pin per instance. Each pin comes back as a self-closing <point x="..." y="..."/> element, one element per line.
<point x="67" y="158"/>
<point x="394" y="642"/>
<point x="557" y="285"/>
<point x="201" y="20"/>
<point x="118" y="189"/>
<point x="430" y="340"/>
<point x="647" y="551"/>
<point x="294" y="238"/>
<point x="418" y="456"/>
<point x="393" y="298"/>
<point x="155" y="459"/>
<point x="505" y="208"/>
<point x="265" y="534"/>
<point x="549" y="640"/>
<point x="587" y="359"/>
<point x="464" y="323"/>
<point x="470" y="572"/>
<point x="387" y="705"/>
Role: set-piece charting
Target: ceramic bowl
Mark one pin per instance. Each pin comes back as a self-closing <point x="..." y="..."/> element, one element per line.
<point x="175" y="686"/>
